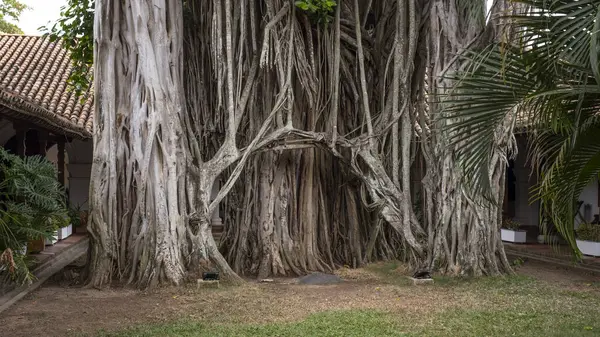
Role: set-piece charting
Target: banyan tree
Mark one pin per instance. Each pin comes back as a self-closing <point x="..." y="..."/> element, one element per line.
<point x="317" y="121"/>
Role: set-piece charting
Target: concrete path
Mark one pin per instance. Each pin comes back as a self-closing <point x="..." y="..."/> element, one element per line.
<point x="47" y="268"/>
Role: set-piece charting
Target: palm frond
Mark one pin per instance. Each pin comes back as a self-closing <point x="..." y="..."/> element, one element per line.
<point x="548" y="80"/>
<point x="576" y="165"/>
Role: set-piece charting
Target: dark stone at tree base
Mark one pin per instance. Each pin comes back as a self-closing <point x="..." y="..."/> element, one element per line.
<point x="210" y="276"/>
<point x="422" y="274"/>
<point x="319" y="278"/>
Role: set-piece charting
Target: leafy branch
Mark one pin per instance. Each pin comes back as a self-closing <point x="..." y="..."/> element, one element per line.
<point x="75" y="29"/>
<point x="319" y="10"/>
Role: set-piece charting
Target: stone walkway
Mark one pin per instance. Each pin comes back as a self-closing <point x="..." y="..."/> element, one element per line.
<point x="555" y="254"/>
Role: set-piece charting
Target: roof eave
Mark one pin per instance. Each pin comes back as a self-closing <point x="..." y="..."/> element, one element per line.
<point x="43" y="117"/>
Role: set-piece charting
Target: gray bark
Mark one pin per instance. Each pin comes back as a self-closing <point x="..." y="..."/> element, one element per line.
<point x="137" y="220"/>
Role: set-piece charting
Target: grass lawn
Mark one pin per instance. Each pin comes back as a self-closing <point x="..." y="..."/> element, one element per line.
<point x="377" y="301"/>
<point x="375" y="323"/>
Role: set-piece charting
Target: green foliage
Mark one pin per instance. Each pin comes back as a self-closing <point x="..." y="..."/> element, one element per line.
<point x="32" y="205"/>
<point x="588" y="232"/>
<point x="11" y="9"/>
<point x="75" y="215"/>
<point x="75" y="29"/>
<point x="319" y="10"/>
<point x="511" y="224"/>
<point x="518" y="262"/>
<point x="548" y="82"/>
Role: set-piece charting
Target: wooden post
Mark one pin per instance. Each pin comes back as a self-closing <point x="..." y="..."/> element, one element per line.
<point x="21" y="131"/>
<point x="61" y="161"/>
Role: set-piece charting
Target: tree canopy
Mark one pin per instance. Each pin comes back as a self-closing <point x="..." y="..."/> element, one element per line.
<point x="10" y="9"/>
<point x="75" y="29"/>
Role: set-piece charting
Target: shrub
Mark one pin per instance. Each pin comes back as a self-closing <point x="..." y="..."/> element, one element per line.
<point x="510" y="224"/>
<point x="32" y="206"/>
<point x="588" y="232"/>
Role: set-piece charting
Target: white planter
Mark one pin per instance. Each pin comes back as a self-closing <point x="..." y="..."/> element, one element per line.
<point x="589" y="247"/>
<point x="23" y="250"/>
<point x="510" y="235"/>
<point x="53" y="241"/>
<point x="65" y="232"/>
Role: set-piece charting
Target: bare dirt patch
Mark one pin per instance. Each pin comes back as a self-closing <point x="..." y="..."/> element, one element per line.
<point x="60" y="311"/>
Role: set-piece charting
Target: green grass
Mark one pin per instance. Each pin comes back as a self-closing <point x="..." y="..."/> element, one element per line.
<point x="372" y="323"/>
<point x="335" y="323"/>
<point x="541" y="322"/>
<point x="492" y="306"/>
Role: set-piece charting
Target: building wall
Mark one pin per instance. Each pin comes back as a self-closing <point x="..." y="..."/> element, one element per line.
<point x="526" y="213"/>
<point x="6" y="131"/>
<point x="52" y="156"/>
<point x="78" y="164"/>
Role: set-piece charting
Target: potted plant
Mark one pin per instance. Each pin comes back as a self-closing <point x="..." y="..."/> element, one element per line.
<point x="32" y="208"/>
<point x="510" y="232"/>
<point x="60" y="234"/>
<point x="588" y="239"/>
<point x="65" y="232"/>
<point x="77" y="217"/>
<point x="52" y="239"/>
<point x="547" y="232"/>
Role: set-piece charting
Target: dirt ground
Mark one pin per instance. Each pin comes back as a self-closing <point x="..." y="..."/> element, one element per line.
<point x="55" y="310"/>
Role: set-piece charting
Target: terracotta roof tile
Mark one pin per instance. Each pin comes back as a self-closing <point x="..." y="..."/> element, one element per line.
<point x="33" y="85"/>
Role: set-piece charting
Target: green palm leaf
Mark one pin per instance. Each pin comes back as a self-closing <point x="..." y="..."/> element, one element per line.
<point x="547" y="82"/>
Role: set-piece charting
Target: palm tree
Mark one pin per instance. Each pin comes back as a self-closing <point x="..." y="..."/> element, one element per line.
<point x="545" y="77"/>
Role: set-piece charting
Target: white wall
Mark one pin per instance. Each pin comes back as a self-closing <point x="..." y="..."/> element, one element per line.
<point x="52" y="156"/>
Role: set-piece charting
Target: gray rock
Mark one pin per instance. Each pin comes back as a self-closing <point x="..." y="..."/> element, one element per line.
<point x="319" y="278"/>
<point x="420" y="281"/>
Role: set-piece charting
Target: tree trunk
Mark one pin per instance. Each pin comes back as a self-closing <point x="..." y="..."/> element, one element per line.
<point x="463" y="227"/>
<point x="137" y="223"/>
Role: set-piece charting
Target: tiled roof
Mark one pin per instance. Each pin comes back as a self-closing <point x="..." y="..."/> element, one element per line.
<point x="33" y="86"/>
